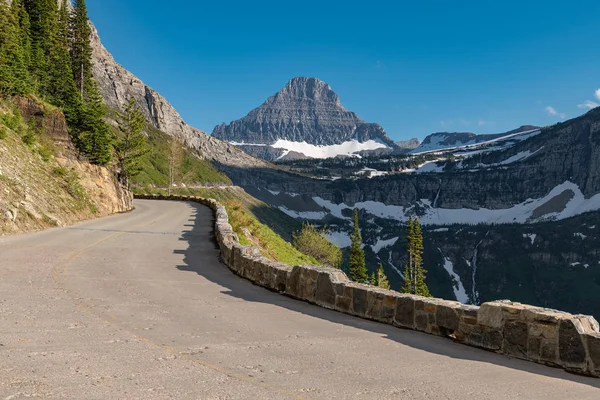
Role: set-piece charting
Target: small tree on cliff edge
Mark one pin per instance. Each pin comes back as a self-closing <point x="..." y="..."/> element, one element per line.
<point x="414" y="273"/>
<point x="358" y="270"/>
<point x="131" y="146"/>
<point x="382" y="280"/>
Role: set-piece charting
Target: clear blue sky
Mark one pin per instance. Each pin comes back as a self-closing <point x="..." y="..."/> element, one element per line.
<point x="414" y="67"/>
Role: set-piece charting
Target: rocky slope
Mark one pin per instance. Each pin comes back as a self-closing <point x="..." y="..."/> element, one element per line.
<point x="45" y="184"/>
<point x="305" y="110"/>
<point x="118" y="85"/>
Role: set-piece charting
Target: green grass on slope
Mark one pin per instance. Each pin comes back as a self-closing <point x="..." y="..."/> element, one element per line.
<point x="246" y="212"/>
<point x="189" y="168"/>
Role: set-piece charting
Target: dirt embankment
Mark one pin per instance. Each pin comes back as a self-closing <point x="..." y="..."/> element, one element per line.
<point x="45" y="183"/>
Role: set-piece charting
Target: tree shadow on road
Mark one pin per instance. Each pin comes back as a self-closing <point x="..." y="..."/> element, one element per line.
<point x="202" y="256"/>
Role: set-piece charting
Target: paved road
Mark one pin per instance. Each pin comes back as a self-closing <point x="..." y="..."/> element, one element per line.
<point x="137" y="306"/>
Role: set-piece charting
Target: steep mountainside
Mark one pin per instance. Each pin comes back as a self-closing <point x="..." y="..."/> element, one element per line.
<point x="537" y="185"/>
<point x="305" y="118"/>
<point x="43" y="183"/>
<point x="118" y="85"/>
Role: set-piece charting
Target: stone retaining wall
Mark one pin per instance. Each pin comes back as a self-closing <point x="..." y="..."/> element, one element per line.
<point x="531" y="333"/>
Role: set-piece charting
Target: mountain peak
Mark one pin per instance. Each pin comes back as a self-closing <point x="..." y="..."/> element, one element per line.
<point x="305" y="111"/>
<point x="308" y="89"/>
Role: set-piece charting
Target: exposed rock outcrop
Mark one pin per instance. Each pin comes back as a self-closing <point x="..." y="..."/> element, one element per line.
<point x="118" y="85"/>
<point x="47" y="183"/>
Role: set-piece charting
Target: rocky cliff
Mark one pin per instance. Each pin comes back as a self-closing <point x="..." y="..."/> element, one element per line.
<point x="45" y="183"/>
<point x="118" y="85"/>
<point x="305" y="110"/>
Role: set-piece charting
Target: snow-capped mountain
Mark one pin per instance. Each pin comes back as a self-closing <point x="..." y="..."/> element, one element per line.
<point x="304" y="120"/>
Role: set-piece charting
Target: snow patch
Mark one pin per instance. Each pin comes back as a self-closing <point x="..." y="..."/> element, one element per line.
<point x="580" y="235"/>
<point x="247" y="144"/>
<point x="313" y="151"/>
<point x="383" y="243"/>
<point x="334" y="209"/>
<point x="313" y="215"/>
<point x="457" y="285"/>
<point x="370" y="172"/>
<point x="531" y="236"/>
<point x="340" y="239"/>
<point x="440" y="230"/>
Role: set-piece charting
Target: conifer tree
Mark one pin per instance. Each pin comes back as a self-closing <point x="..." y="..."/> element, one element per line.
<point x="62" y="90"/>
<point x="420" y="286"/>
<point x="382" y="280"/>
<point x="25" y="38"/>
<point x="132" y="145"/>
<point x="13" y="67"/>
<point x="81" y="49"/>
<point x="358" y="270"/>
<point x="43" y="18"/>
<point x="414" y="273"/>
<point x="407" y="287"/>
<point x="373" y="279"/>
<point x="96" y="139"/>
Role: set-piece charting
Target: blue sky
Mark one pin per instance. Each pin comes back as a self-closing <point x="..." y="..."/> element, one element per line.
<point x="414" y="67"/>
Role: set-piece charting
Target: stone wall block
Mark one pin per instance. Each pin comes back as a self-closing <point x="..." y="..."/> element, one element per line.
<point x="375" y="299"/>
<point x="279" y="276"/>
<point x="516" y="339"/>
<point x="344" y="301"/>
<point x="302" y="283"/>
<point x="490" y="315"/>
<point x="328" y="286"/>
<point x="359" y="299"/>
<point x="571" y="347"/>
<point x="405" y="311"/>
<point x="593" y="345"/>
<point x="447" y="317"/>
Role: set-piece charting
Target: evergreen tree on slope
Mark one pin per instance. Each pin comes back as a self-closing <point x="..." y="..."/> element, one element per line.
<point x="81" y="49"/>
<point x="132" y="145"/>
<point x="14" y="76"/>
<point x="358" y="270"/>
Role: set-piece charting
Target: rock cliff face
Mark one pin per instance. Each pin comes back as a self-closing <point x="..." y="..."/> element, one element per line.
<point x="47" y="184"/>
<point x="118" y="85"/>
<point x="305" y="110"/>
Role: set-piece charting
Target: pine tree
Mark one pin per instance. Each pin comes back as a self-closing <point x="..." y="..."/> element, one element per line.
<point x="414" y="273"/>
<point x="407" y="287"/>
<point x="421" y="288"/>
<point x="81" y="49"/>
<point x="43" y="18"/>
<point x="25" y="38"/>
<point x="358" y="270"/>
<point x="13" y="67"/>
<point x="382" y="280"/>
<point x="95" y="139"/>
<point x="132" y="145"/>
<point x="62" y="90"/>
<point x="373" y="279"/>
